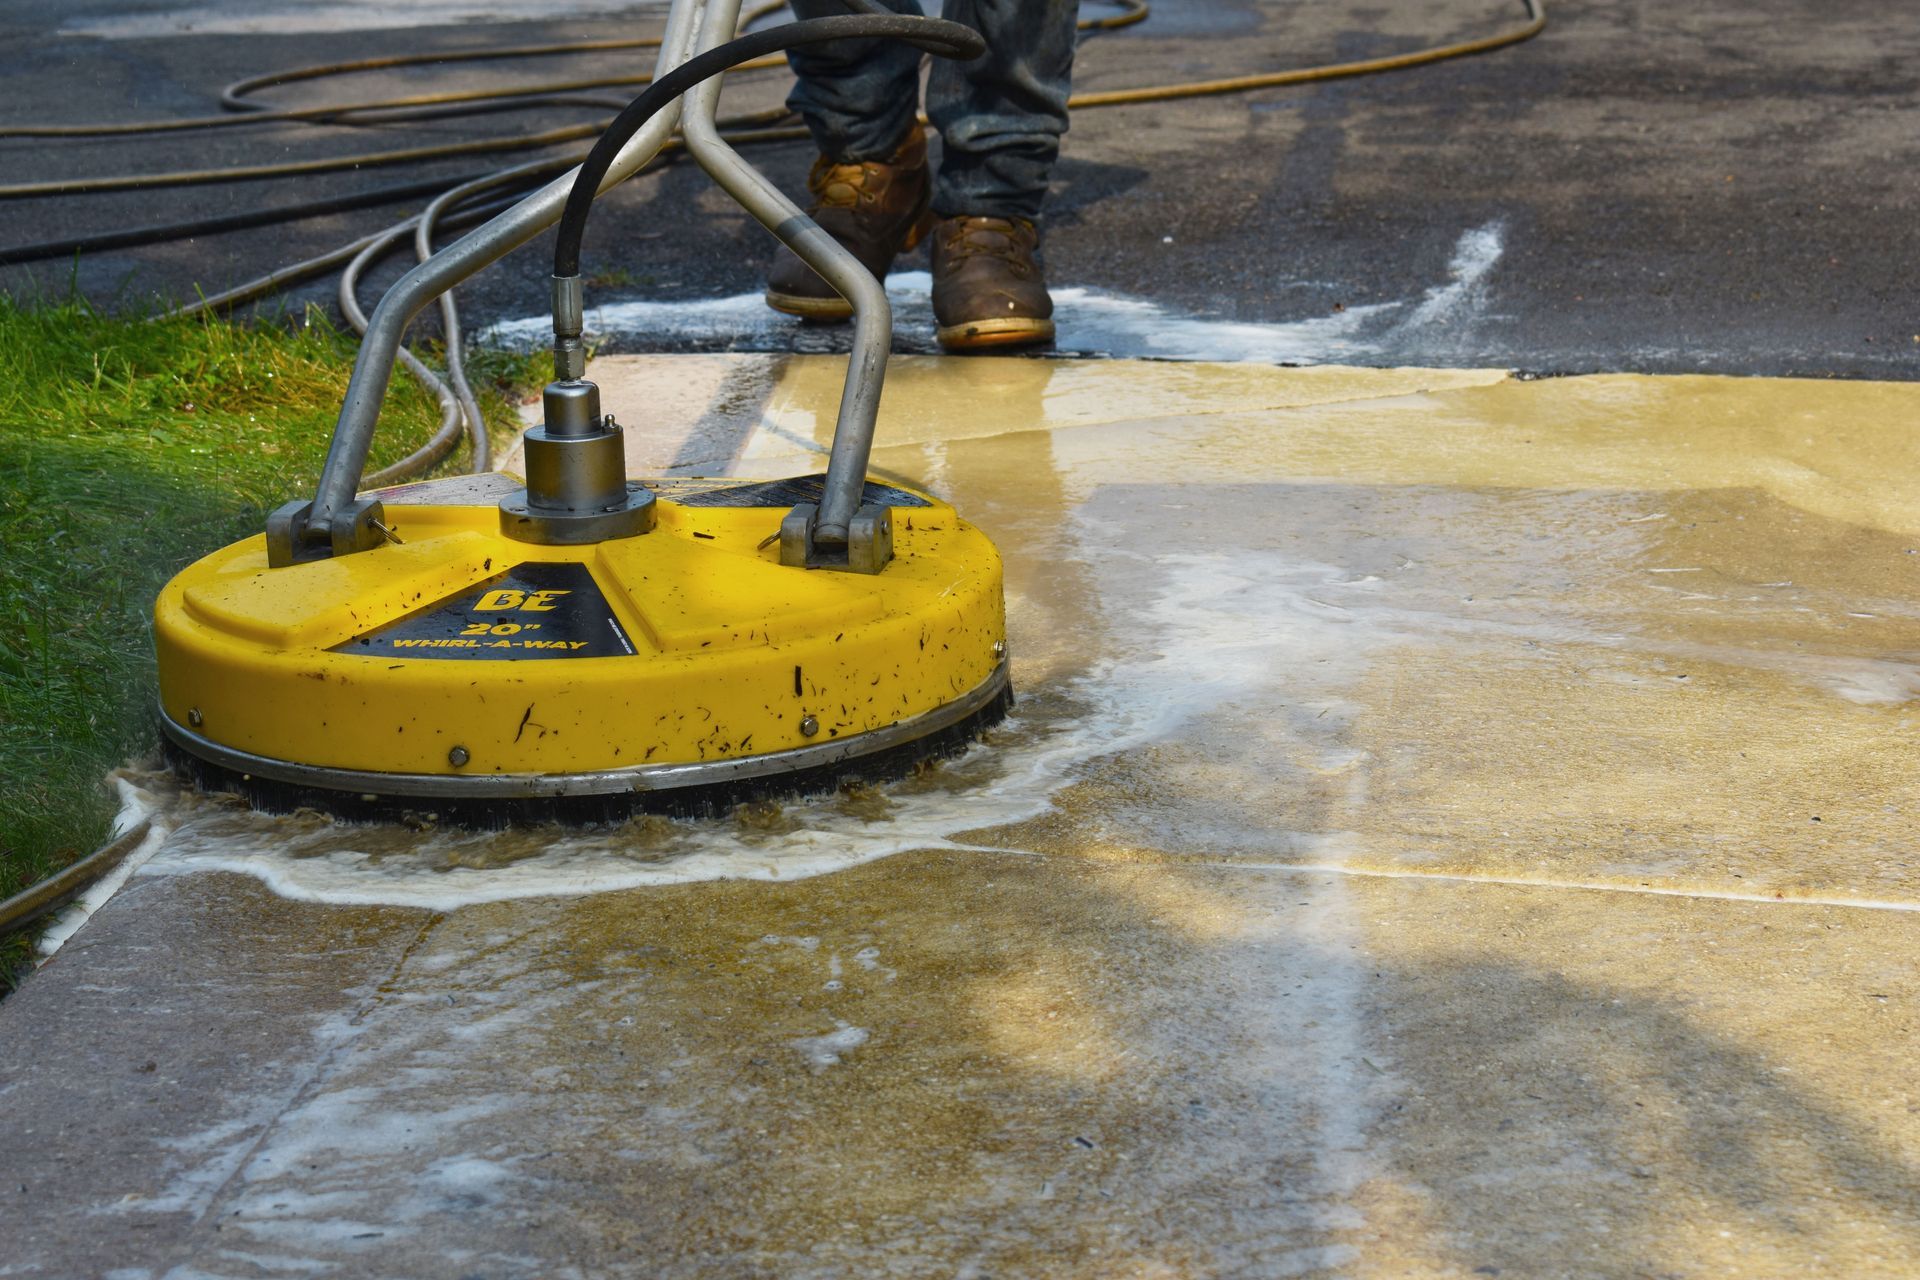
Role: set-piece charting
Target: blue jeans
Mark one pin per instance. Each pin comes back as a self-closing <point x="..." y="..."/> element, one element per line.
<point x="1000" y="116"/>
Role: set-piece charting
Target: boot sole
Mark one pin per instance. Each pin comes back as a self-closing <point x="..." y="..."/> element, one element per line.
<point x="822" y="309"/>
<point x="1004" y="331"/>
<point x="836" y="307"/>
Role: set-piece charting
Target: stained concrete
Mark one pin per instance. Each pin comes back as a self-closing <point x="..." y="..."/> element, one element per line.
<point x="1474" y="839"/>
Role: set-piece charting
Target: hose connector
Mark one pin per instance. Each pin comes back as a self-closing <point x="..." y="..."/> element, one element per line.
<point x="576" y="464"/>
<point x="569" y="324"/>
<point x="571" y="408"/>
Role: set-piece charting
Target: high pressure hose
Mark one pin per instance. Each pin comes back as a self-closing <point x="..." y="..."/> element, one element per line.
<point x="132" y="237"/>
<point x="933" y="35"/>
<point x="452" y="411"/>
<point x="458" y="404"/>
<point x="457" y="401"/>
<point x="572" y="403"/>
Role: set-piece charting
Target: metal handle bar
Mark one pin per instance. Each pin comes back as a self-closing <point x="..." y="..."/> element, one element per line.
<point x="373" y="368"/>
<point x="872" y="315"/>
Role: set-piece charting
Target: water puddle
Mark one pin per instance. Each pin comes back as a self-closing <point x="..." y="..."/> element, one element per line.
<point x="1007" y="778"/>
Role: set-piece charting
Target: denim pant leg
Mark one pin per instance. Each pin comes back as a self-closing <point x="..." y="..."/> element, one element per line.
<point x="1001" y="115"/>
<point x="858" y="97"/>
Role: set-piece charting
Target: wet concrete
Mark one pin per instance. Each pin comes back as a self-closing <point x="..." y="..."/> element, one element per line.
<point x="1454" y="826"/>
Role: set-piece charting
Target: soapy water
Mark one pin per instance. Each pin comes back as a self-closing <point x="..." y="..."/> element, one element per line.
<point x="1126" y="700"/>
<point x="1090" y="322"/>
<point x="1248" y="660"/>
<point x="308" y="857"/>
<point x="136" y="803"/>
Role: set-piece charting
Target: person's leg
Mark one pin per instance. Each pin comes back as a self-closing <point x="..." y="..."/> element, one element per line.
<point x="871" y="188"/>
<point x="1001" y="115"/>
<point x="858" y="97"/>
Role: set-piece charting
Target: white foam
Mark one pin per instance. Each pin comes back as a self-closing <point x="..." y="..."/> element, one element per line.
<point x="1456" y="304"/>
<point x="136" y="804"/>
<point x="298" y="1171"/>
<point x="825" y="1051"/>
<point x="1250" y="614"/>
<point x="1089" y="321"/>
<point x="1247" y="646"/>
<point x="319" y="862"/>
<point x="1884" y="683"/>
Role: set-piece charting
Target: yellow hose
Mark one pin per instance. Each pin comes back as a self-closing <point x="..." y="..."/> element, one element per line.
<point x="1537" y="21"/>
<point x="544" y="94"/>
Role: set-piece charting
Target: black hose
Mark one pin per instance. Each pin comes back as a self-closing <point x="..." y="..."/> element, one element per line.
<point x="163" y="232"/>
<point x="299" y="168"/>
<point x="159" y="233"/>
<point x="933" y="35"/>
<point x="298" y="272"/>
<point x="443" y="106"/>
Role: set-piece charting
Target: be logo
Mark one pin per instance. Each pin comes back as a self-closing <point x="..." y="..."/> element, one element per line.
<point x="520" y="601"/>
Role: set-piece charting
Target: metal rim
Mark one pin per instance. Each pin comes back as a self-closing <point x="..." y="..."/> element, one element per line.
<point x="665" y="777"/>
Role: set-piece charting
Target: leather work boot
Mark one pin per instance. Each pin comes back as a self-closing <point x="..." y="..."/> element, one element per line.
<point x="876" y="208"/>
<point x="987" y="287"/>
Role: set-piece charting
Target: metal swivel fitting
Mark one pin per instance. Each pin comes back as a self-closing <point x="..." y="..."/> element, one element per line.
<point x="576" y="463"/>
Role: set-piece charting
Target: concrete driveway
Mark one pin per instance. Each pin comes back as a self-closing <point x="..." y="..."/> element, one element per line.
<point x="1453" y="826"/>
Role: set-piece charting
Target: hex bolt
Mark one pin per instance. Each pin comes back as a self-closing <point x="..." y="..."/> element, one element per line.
<point x="194" y="717"/>
<point x="999" y="649"/>
<point x="458" y="757"/>
<point x="808" y="726"/>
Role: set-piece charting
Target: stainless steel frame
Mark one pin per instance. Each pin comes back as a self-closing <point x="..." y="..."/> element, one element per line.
<point x="386" y="330"/>
<point x="338" y="522"/>
<point x="872" y="315"/>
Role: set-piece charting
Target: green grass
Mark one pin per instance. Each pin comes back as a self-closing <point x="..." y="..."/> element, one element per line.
<point x="128" y="448"/>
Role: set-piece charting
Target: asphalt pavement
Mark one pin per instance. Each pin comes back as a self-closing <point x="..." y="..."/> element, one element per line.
<point x="1725" y="187"/>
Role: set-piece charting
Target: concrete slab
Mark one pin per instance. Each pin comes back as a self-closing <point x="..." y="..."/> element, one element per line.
<point x="1004" y="1065"/>
<point x="1454" y="825"/>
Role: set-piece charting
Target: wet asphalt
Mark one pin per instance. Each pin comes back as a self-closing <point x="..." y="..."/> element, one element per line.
<point x="1723" y="187"/>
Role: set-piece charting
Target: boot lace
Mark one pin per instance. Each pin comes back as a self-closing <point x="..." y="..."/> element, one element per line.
<point x="988" y="238"/>
<point x="837" y="186"/>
